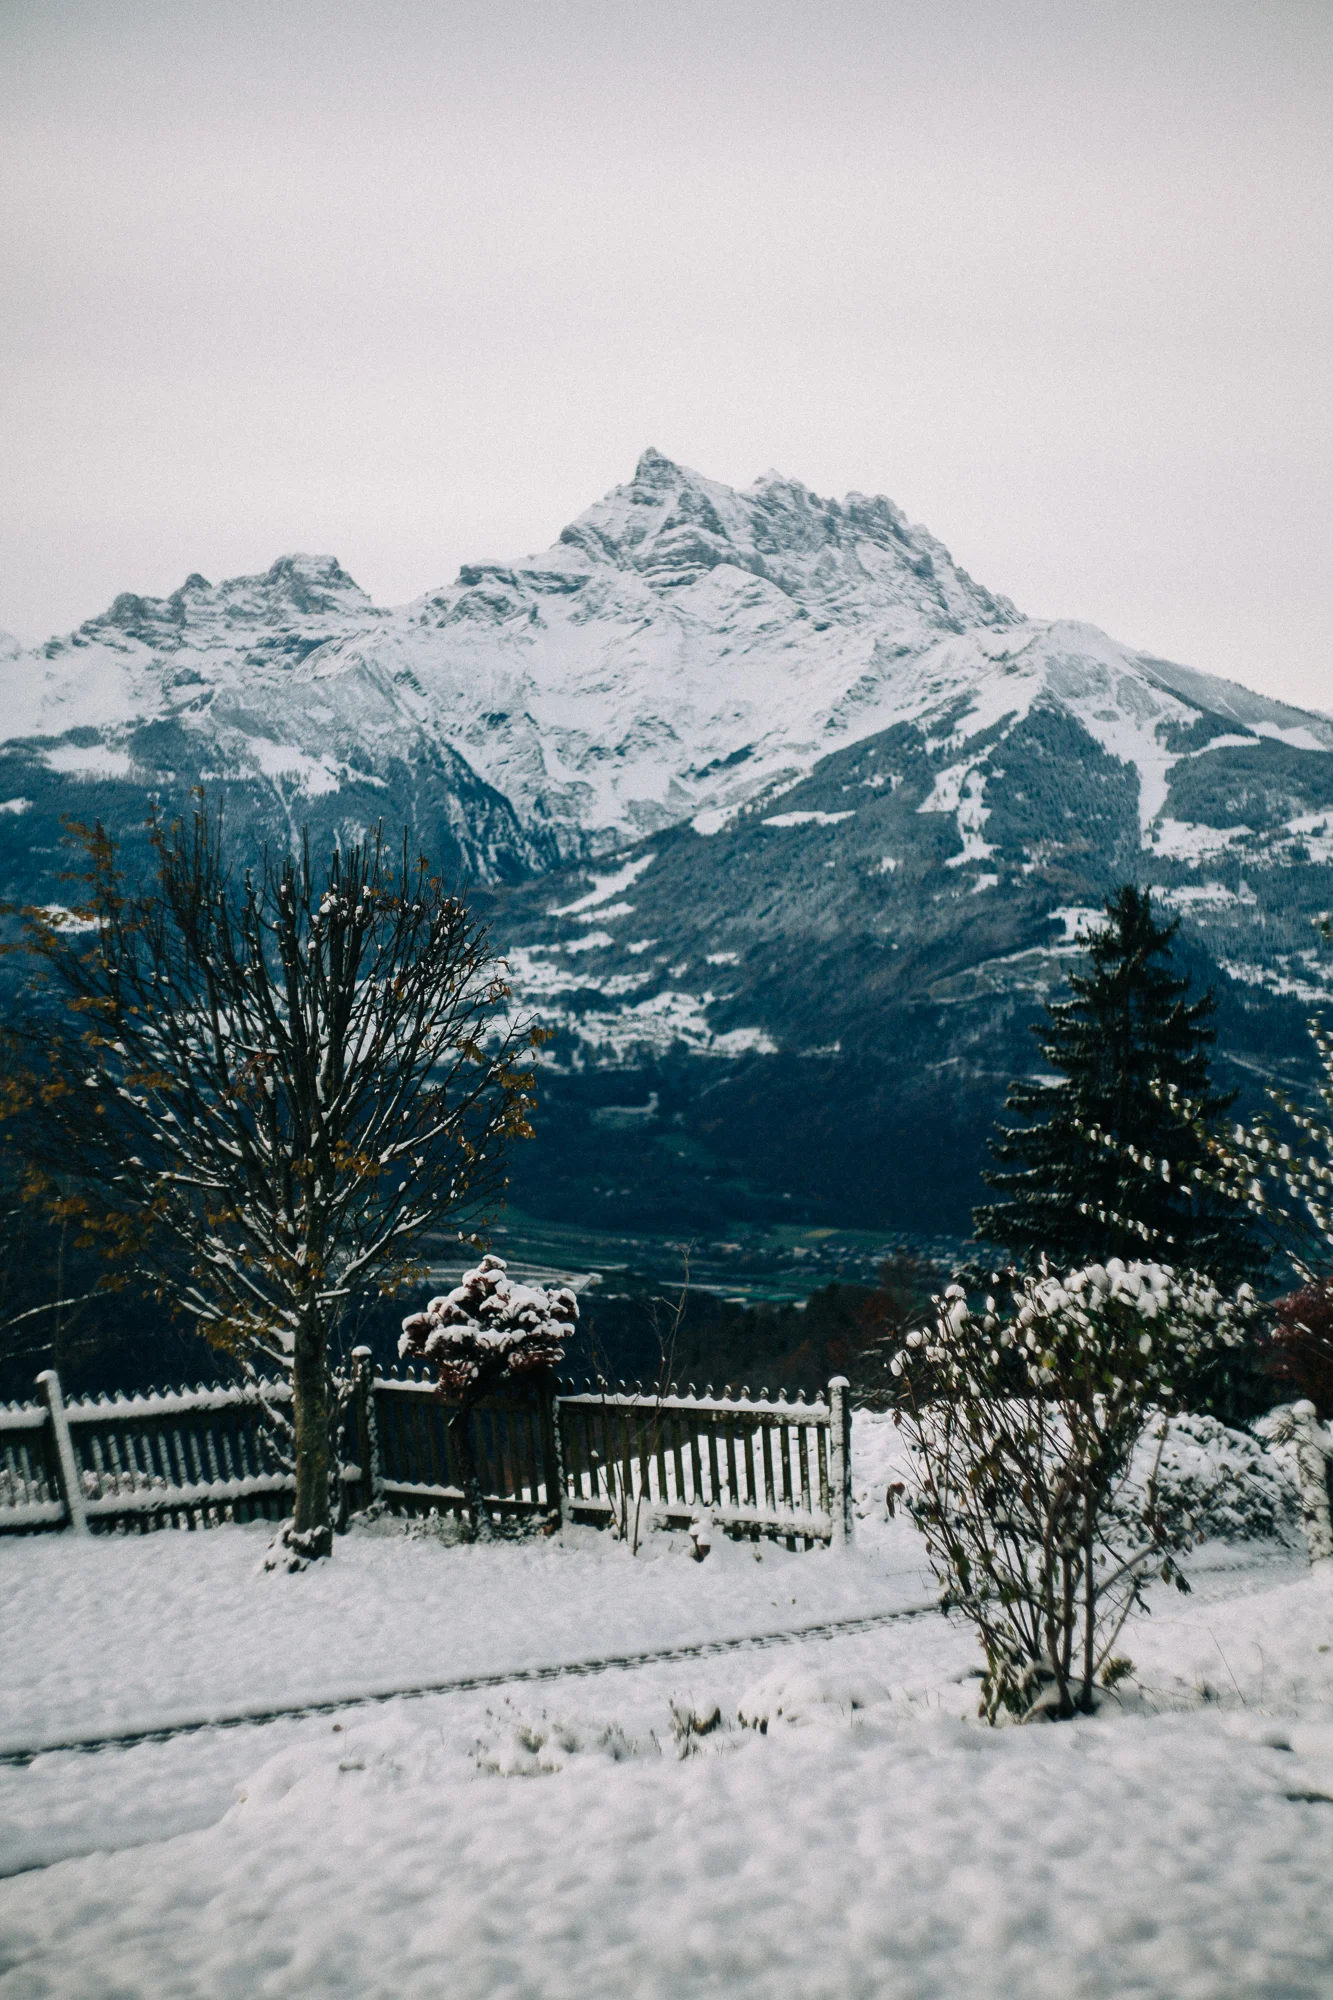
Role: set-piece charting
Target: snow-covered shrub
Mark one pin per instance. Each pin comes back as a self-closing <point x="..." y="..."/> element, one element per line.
<point x="518" y="1745"/>
<point x="1023" y="1420"/>
<point x="1222" y="1482"/>
<point x="489" y="1330"/>
<point x="445" y="1530"/>
<point x="1304" y="1446"/>
<point x="691" y="1721"/>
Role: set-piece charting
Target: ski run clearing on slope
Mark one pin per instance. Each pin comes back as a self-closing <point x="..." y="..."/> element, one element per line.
<point x="807" y="819"/>
<point x="859" y="1833"/>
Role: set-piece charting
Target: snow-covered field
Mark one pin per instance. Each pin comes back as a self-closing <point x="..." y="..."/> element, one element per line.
<point x="550" y="1839"/>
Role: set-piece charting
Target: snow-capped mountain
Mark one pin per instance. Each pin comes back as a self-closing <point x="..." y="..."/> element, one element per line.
<point x="680" y="648"/>
<point x="805" y="786"/>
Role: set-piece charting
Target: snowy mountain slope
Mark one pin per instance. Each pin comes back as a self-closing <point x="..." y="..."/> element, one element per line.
<point x="919" y="876"/>
<point x="225" y="686"/>
<point x="807" y="790"/>
<point x="681" y="647"/>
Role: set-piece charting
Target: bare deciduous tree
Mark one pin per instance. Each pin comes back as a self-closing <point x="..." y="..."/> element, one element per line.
<point x="277" y="1082"/>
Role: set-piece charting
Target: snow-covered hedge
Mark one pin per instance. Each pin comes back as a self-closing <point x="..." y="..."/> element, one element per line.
<point x="1223" y="1483"/>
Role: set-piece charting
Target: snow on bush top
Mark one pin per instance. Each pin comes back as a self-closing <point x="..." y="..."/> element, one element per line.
<point x="1141" y="1321"/>
<point x="490" y="1327"/>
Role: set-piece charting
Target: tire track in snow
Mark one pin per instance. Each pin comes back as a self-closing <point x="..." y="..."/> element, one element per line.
<point x="1211" y="1582"/>
<point x="241" y="1718"/>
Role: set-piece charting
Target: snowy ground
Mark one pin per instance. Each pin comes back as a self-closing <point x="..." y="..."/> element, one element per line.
<point x="549" y="1840"/>
<point x="179" y="1626"/>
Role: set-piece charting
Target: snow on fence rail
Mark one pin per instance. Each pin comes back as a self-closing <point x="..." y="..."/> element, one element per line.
<point x="601" y="1454"/>
<point x="183" y="1458"/>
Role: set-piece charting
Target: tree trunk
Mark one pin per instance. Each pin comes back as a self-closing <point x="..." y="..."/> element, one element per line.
<point x="483" y="1528"/>
<point x="311" y="1531"/>
<point x="1086" y="1700"/>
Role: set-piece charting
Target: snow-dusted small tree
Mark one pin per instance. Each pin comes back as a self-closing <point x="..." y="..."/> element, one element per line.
<point x="488" y="1331"/>
<point x="1300" y="1347"/>
<point x="1105" y="1165"/>
<point x="1023" y="1420"/>
<point x="277" y="1082"/>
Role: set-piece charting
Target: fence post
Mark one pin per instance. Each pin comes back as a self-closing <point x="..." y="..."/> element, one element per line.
<point x="1312" y="1452"/>
<point x="840" y="1461"/>
<point x="555" y="1475"/>
<point x="367" y="1428"/>
<point x="67" y="1471"/>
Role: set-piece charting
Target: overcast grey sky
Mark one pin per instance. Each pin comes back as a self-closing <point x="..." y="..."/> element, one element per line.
<point x="416" y="283"/>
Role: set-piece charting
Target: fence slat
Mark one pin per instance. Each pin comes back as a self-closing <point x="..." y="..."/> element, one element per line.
<point x="553" y="1455"/>
<point x="750" y="1497"/>
<point x="714" y="1482"/>
<point x="190" y="1459"/>
<point x="766" y="1446"/>
<point x="435" y="1450"/>
<point x="67" y="1470"/>
<point x="803" y="1461"/>
<point x="784" y="1456"/>
<point x="696" y="1467"/>
<point x="840" y="1442"/>
<point x="733" y="1482"/>
<point x="677" y="1460"/>
<point x="568" y="1420"/>
<point x="663" y="1489"/>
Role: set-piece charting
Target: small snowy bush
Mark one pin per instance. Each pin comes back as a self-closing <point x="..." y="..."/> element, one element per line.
<point x="490" y="1327"/>
<point x="1023" y="1421"/>
<point x="802" y="1695"/>
<point x="488" y="1331"/>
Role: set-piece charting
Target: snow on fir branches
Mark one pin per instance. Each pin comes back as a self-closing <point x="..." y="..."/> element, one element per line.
<point x="1108" y="1164"/>
<point x="1276" y="1173"/>
<point x="273" y="1082"/>
<point x="1024" y="1419"/>
<point x="488" y="1331"/>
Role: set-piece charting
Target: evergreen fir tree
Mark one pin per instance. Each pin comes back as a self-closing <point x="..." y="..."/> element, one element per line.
<point x="1085" y="1178"/>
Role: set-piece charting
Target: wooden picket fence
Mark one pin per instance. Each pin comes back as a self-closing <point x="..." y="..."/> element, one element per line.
<point x="608" y="1455"/>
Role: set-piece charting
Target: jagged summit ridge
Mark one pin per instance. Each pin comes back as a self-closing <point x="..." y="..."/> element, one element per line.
<point x="292" y="592"/>
<point x="684" y="646"/>
<point x="672" y="525"/>
<point x="681" y="649"/>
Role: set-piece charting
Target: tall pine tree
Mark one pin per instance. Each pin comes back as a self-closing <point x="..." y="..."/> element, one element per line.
<point x="1084" y="1179"/>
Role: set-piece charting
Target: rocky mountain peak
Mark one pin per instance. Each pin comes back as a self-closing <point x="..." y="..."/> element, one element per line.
<point x="655" y="470"/>
<point x="293" y="590"/>
<point x="311" y="585"/>
<point x="683" y="648"/>
<point x="841" y="559"/>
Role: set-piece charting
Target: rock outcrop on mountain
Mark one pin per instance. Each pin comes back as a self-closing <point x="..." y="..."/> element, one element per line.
<point x="786" y="823"/>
